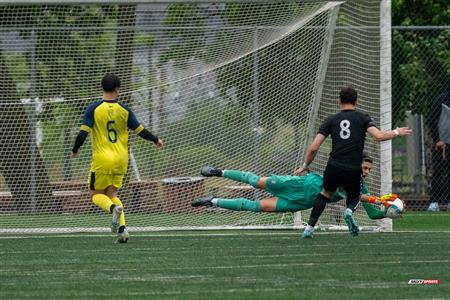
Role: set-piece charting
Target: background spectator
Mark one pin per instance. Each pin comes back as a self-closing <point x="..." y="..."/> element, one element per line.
<point x="440" y="132"/>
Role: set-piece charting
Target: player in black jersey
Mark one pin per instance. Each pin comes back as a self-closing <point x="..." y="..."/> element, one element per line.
<point x="348" y="133"/>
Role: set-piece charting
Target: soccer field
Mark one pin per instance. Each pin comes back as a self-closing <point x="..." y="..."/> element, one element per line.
<point x="232" y="264"/>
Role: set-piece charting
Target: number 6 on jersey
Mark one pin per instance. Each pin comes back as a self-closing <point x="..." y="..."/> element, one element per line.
<point x="112" y="133"/>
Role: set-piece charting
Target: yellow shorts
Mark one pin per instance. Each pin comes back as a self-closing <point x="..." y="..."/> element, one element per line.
<point x="99" y="181"/>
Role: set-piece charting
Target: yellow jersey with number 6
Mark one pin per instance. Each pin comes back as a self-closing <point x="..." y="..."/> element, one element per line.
<point x="108" y="122"/>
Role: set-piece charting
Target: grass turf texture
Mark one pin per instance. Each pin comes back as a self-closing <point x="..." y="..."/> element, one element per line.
<point x="231" y="264"/>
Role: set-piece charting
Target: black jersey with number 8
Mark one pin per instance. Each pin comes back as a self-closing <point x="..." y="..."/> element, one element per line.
<point x="348" y="133"/>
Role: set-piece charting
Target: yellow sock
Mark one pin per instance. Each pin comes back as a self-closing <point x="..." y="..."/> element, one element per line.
<point x="117" y="201"/>
<point x="102" y="201"/>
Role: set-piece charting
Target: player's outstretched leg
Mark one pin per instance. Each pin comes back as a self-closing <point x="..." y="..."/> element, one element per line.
<point x="203" y="201"/>
<point x="236" y="204"/>
<point x="236" y="175"/>
<point x="116" y="213"/>
<point x="211" y="171"/>
<point x="351" y="223"/>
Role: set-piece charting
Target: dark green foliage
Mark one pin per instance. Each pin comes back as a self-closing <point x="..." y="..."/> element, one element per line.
<point x="421" y="58"/>
<point x="420" y="12"/>
<point x="421" y="68"/>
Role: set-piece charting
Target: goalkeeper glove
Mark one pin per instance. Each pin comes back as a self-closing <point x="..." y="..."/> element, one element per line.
<point x="383" y="199"/>
<point x="375" y="200"/>
<point x="388" y="197"/>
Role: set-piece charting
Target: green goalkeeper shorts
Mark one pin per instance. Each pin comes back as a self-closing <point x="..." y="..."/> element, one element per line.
<point x="290" y="192"/>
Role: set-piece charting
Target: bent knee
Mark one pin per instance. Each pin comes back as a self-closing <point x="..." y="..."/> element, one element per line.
<point x="327" y="194"/>
<point x="262" y="182"/>
<point x="268" y="204"/>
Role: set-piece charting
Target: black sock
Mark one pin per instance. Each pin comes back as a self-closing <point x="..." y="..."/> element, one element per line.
<point x="352" y="203"/>
<point x="121" y="228"/>
<point x="111" y="208"/>
<point x="319" y="206"/>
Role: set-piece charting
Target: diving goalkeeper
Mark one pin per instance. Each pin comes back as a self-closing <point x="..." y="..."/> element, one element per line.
<point x="109" y="122"/>
<point x="292" y="193"/>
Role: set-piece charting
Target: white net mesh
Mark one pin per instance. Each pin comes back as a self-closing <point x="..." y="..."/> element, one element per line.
<point x="233" y="85"/>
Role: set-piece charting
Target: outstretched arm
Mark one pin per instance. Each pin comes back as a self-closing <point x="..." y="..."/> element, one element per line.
<point x="311" y="153"/>
<point x="380" y="136"/>
<point x="373" y="212"/>
<point x="375" y="200"/>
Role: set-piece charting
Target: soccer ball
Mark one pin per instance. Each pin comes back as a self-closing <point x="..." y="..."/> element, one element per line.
<point x="396" y="209"/>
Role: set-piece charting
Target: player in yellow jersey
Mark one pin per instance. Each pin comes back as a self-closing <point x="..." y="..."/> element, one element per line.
<point x="108" y="121"/>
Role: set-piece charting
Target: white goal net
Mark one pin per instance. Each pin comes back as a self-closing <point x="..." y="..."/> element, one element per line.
<point x="232" y="84"/>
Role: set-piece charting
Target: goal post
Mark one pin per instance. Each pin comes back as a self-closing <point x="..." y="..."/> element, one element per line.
<point x="234" y="84"/>
<point x="385" y="104"/>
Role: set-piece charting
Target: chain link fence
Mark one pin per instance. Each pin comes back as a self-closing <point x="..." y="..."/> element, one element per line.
<point x="421" y="101"/>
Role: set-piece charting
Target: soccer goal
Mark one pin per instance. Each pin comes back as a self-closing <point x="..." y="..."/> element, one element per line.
<point x="234" y="84"/>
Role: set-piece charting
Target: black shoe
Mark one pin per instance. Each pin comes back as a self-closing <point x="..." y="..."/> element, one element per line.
<point x="211" y="171"/>
<point x="203" y="201"/>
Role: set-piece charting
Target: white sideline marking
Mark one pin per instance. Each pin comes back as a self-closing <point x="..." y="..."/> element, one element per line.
<point x="429" y="215"/>
<point x="346" y="263"/>
<point x="207" y="291"/>
<point x="282" y="266"/>
<point x="73" y="235"/>
<point x="48" y="230"/>
<point x="416" y="231"/>
<point x="205" y="234"/>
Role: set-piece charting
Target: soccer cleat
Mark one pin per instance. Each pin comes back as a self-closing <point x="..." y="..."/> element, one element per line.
<point x="117" y="211"/>
<point x="203" y="201"/>
<point x="308" y="234"/>
<point x="434" y="206"/>
<point x="122" y="237"/>
<point x="352" y="226"/>
<point x="211" y="171"/>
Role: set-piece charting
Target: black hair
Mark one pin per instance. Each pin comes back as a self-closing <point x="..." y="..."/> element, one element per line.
<point x="348" y="95"/>
<point x="367" y="158"/>
<point x="110" y="82"/>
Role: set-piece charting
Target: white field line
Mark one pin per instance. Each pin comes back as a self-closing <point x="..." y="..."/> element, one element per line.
<point x="183" y="292"/>
<point x="419" y="231"/>
<point x="203" y="234"/>
<point x="434" y="215"/>
<point x="95" y="234"/>
<point x="290" y="265"/>
<point x="252" y="256"/>
<point x="374" y="285"/>
<point x="48" y="230"/>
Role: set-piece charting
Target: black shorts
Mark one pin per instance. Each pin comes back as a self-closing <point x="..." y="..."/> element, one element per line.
<point x="348" y="179"/>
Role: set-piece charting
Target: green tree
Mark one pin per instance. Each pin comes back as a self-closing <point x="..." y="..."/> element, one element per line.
<point x="421" y="58"/>
<point x="66" y="59"/>
<point x="20" y="162"/>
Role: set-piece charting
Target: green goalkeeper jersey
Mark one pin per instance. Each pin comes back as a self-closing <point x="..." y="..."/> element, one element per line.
<point x="296" y="193"/>
<point x="299" y="189"/>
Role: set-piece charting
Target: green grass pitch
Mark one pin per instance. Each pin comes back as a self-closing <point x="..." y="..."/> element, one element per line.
<point x="232" y="264"/>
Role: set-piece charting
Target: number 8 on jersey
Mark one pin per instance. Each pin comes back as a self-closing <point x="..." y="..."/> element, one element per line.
<point x="345" y="129"/>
